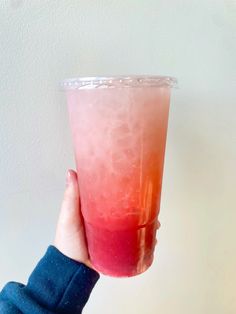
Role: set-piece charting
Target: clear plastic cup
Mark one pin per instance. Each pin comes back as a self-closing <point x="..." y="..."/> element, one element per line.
<point x="119" y="127"/>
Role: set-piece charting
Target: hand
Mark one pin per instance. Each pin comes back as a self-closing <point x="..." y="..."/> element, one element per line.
<point x="70" y="236"/>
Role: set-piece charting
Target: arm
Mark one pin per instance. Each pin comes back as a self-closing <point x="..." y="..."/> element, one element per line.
<point x="63" y="279"/>
<point x="57" y="285"/>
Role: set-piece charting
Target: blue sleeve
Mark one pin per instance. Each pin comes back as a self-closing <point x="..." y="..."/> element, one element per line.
<point x="58" y="284"/>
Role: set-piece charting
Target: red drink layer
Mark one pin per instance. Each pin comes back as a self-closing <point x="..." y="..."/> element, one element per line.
<point x="119" y="139"/>
<point x="121" y="253"/>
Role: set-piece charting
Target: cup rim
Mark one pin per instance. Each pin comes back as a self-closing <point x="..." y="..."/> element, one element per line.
<point x="92" y="82"/>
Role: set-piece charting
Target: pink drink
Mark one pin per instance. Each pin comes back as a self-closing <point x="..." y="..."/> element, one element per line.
<point x="119" y="130"/>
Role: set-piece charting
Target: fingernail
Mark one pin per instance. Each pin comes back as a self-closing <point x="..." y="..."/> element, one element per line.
<point x="68" y="178"/>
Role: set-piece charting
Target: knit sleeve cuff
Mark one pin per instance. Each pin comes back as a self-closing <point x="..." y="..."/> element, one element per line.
<point x="60" y="283"/>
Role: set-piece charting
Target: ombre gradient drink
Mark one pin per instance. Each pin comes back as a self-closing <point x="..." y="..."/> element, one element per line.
<point x="119" y="130"/>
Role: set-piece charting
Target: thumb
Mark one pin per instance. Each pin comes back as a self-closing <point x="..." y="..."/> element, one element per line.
<point x="70" y="237"/>
<point x="70" y="211"/>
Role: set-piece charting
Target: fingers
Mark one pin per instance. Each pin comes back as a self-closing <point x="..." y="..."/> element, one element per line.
<point x="70" y="204"/>
<point x="70" y="237"/>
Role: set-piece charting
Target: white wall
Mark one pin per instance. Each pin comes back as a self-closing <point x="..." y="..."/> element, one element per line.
<point x="45" y="41"/>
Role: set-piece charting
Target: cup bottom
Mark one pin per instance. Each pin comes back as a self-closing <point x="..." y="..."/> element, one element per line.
<point x="121" y="253"/>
